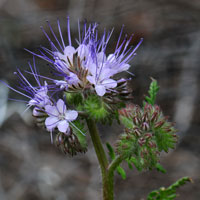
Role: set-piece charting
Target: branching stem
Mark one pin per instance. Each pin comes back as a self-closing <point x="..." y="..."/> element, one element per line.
<point x="107" y="178"/>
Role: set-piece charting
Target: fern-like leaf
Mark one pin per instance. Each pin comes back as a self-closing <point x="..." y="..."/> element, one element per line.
<point x="168" y="193"/>
<point x="153" y="90"/>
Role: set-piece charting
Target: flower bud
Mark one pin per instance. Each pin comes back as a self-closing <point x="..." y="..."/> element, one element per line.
<point x="136" y="120"/>
<point x="148" y="136"/>
<point x="154" y="116"/>
<point x="151" y="144"/>
<point x="145" y="117"/>
<point x="159" y="124"/>
<point x="69" y="143"/>
<point x="137" y="132"/>
<point x="141" y="141"/>
<point x="145" y="126"/>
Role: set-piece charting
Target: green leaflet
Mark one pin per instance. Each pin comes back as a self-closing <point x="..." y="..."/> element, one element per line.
<point x="168" y="193"/>
<point x="160" y="168"/>
<point x="111" y="153"/>
<point x="79" y="131"/>
<point x="165" y="140"/>
<point x="153" y="90"/>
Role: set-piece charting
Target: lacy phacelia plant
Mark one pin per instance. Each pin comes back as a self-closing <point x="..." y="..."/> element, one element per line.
<point x="85" y="90"/>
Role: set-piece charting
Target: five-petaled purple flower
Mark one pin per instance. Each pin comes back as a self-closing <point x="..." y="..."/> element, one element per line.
<point x="59" y="117"/>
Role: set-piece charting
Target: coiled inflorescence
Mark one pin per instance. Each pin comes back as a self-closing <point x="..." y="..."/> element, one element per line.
<point x="147" y="133"/>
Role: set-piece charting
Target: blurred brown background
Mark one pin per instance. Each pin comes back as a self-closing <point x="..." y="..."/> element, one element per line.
<point x="33" y="169"/>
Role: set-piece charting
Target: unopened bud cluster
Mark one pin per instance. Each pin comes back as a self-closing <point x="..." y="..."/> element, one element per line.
<point x="69" y="144"/>
<point x="147" y="133"/>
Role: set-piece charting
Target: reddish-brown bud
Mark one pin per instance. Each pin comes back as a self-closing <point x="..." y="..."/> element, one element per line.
<point x="124" y="146"/>
<point x="148" y="135"/>
<point x="145" y="126"/>
<point x="151" y="144"/>
<point x="137" y="132"/>
<point x="154" y="116"/>
<point x="141" y="141"/>
<point x="145" y="117"/>
<point x="128" y="137"/>
<point x="136" y="120"/>
<point x="159" y="124"/>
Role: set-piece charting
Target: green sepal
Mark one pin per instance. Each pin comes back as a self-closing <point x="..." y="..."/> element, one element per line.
<point x="73" y="98"/>
<point x="137" y="162"/>
<point x="127" y="122"/>
<point x="153" y="90"/>
<point x="168" y="193"/>
<point x="79" y="130"/>
<point x="95" y="108"/>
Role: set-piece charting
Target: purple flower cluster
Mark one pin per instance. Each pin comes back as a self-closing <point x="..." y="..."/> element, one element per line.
<point x="84" y="66"/>
<point x="44" y="105"/>
<point x="90" y="53"/>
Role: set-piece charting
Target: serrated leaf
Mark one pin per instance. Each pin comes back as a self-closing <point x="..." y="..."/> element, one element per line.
<point x="153" y="90"/>
<point x="168" y="193"/>
<point x="164" y="140"/>
<point x="160" y="168"/>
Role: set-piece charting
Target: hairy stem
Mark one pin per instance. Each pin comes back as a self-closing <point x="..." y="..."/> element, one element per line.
<point x="107" y="180"/>
<point x="114" y="164"/>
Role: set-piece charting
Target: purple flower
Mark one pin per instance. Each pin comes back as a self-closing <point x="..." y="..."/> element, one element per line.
<point x="89" y="54"/>
<point x="40" y="97"/>
<point x="37" y="95"/>
<point x="59" y="117"/>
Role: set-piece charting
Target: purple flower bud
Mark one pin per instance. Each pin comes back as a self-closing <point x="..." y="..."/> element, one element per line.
<point x="145" y="126"/>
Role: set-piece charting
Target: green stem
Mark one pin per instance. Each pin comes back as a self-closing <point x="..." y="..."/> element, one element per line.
<point x="114" y="164"/>
<point x="107" y="179"/>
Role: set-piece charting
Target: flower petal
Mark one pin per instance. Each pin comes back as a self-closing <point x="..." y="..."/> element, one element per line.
<point x="83" y="51"/>
<point x="51" y="123"/>
<point x="109" y="83"/>
<point x="63" y="126"/>
<point x="111" y="58"/>
<point x="101" y="57"/>
<point x="61" y="106"/>
<point x="100" y="89"/>
<point x="51" y="110"/>
<point x="123" y="67"/>
<point x="71" y="115"/>
<point x="69" y="51"/>
<point x="91" y="79"/>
